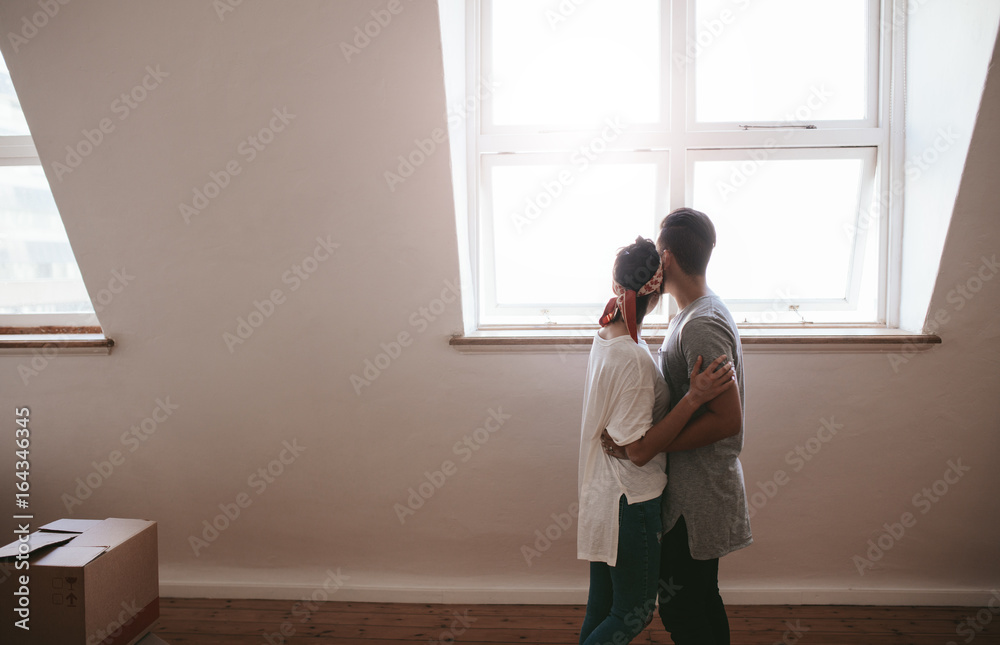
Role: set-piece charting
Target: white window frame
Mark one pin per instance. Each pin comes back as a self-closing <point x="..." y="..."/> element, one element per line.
<point x="524" y="314"/>
<point x="880" y="131"/>
<point x="865" y="154"/>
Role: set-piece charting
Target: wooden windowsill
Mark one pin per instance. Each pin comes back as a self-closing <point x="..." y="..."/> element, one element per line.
<point x="27" y="341"/>
<point x="849" y="339"/>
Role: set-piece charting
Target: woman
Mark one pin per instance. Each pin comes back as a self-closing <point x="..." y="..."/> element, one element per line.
<point x="619" y="521"/>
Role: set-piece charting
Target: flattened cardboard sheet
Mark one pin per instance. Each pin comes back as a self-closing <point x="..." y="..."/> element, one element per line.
<point x="37" y="540"/>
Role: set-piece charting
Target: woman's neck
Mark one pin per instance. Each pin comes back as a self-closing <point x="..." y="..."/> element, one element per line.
<point x="618" y="328"/>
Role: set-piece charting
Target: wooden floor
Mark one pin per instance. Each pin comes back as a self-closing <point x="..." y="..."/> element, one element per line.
<point x="280" y="622"/>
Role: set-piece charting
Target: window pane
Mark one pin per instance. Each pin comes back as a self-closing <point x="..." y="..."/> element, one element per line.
<point x="559" y="250"/>
<point x="573" y="70"/>
<point x="11" y="118"/>
<point x="780" y="60"/>
<point x="785" y="227"/>
<point x="38" y="272"/>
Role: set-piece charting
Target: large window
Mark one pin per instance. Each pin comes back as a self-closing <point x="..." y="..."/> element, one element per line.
<point x="40" y="282"/>
<point x="769" y="115"/>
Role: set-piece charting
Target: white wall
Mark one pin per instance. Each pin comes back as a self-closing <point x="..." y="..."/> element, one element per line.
<point x="948" y="49"/>
<point x="333" y="506"/>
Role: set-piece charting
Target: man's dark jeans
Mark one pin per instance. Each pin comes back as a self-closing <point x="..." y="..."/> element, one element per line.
<point x="694" y="615"/>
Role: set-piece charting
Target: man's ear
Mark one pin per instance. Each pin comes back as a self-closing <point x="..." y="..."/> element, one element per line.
<point x="666" y="259"/>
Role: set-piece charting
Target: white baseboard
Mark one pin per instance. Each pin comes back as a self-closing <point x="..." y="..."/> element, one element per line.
<point x="885" y="597"/>
<point x="573" y="596"/>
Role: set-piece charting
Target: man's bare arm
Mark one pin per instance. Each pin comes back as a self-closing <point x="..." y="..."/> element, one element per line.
<point x="667" y="431"/>
<point x="717" y="378"/>
<point x="723" y="418"/>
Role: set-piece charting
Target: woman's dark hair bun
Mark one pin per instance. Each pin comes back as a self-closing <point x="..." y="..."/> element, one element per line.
<point x="636" y="263"/>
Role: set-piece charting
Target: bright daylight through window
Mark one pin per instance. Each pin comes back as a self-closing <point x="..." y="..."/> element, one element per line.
<point x="771" y="116"/>
<point x="39" y="277"/>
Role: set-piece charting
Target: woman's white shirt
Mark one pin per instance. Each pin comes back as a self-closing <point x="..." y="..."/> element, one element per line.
<point x="624" y="393"/>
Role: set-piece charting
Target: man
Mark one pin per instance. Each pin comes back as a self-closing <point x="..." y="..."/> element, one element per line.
<point x="705" y="514"/>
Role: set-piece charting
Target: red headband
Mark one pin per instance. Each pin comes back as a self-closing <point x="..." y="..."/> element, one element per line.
<point x="624" y="301"/>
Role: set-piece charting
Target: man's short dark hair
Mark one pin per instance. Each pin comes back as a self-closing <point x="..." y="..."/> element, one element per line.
<point x="689" y="235"/>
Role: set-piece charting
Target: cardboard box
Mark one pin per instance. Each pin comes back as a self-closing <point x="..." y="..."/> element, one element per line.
<point x="90" y="582"/>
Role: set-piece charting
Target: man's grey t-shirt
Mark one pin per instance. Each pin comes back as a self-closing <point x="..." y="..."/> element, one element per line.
<point x="705" y="485"/>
